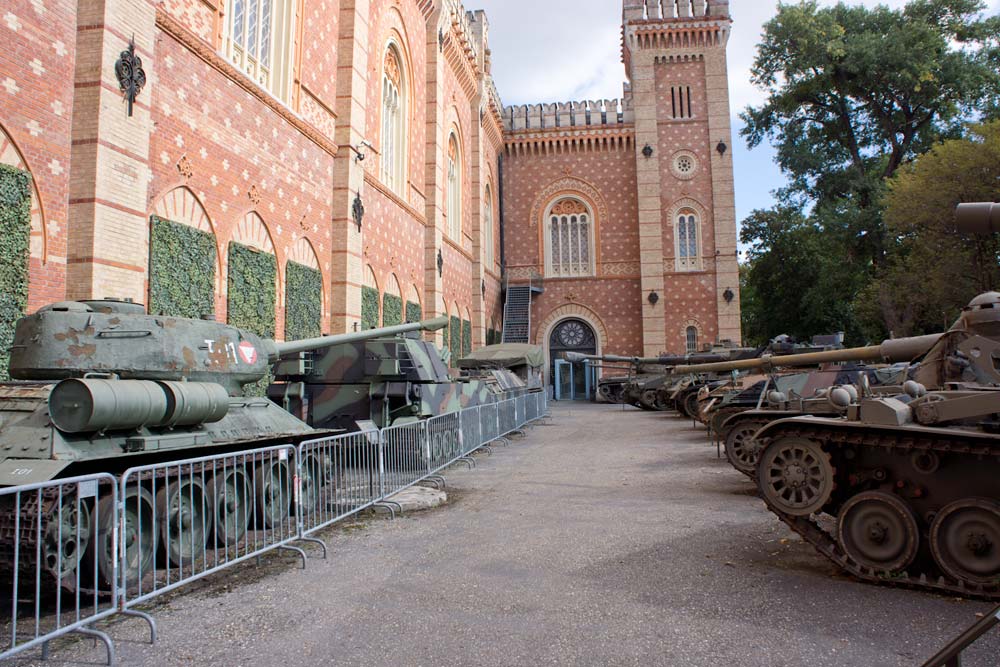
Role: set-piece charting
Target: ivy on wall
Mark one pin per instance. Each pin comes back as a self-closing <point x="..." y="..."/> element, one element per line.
<point x="303" y="301"/>
<point x="369" y="308"/>
<point x="455" y="339"/>
<point x="413" y="312"/>
<point x="181" y="270"/>
<point x="252" y="293"/>
<point x="466" y="337"/>
<point x="392" y="310"/>
<point x="15" y="234"/>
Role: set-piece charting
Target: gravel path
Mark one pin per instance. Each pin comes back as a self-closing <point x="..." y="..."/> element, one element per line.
<point x="605" y="538"/>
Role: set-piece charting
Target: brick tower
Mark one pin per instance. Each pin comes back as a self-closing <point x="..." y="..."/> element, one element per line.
<point x="675" y="59"/>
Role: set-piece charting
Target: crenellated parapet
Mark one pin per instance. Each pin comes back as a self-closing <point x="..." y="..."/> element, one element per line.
<point x="685" y="27"/>
<point x="588" y="114"/>
<point x="659" y="10"/>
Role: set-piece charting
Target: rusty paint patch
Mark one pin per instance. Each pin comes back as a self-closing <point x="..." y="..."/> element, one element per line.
<point x="190" y="359"/>
<point x="85" y="350"/>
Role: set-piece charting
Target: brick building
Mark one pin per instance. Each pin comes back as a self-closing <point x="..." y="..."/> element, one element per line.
<point x="298" y="166"/>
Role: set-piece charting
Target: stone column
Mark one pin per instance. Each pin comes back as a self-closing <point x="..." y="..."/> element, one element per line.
<point x="650" y="213"/>
<point x="108" y="239"/>
<point x="436" y="153"/>
<point x="347" y="265"/>
<point x="727" y="271"/>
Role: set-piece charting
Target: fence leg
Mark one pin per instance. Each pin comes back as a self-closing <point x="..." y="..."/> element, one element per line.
<point x="314" y="540"/>
<point x="90" y="632"/>
<point x="390" y="505"/>
<point x="146" y="617"/>
<point x="300" y="552"/>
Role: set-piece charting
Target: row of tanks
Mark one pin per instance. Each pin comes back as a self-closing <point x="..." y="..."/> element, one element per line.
<point x="102" y="386"/>
<point x="886" y="458"/>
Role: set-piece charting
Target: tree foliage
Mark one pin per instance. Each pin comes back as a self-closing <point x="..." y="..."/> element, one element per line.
<point x="853" y="94"/>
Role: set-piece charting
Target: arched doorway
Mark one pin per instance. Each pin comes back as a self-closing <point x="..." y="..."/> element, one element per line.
<point x="570" y="379"/>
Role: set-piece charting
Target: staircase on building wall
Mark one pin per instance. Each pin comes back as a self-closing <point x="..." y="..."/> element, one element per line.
<point x="517" y="314"/>
<point x="517" y="311"/>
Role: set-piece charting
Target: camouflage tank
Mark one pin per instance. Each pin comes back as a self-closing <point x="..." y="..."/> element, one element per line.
<point x="100" y="386"/>
<point x="911" y="480"/>
<point x="509" y="369"/>
<point x="384" y="380"/>
<point x="803" y="393"/>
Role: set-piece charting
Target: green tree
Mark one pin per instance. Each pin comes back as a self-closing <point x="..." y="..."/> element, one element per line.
<point x="932" y="270"/>
<point x="853" y="94"/>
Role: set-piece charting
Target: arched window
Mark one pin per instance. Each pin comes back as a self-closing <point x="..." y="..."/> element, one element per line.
<point x="488" y="229"/>
<point x="686" y="233"/>
<point x="569" y="239"/>
<point x="393" y="121"/>
<point x="454" y="211"/>
<point x="692" y="339"/>
<point x="259" y="35"/>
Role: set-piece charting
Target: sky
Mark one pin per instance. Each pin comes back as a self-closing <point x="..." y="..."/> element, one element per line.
<point x="563" y="50"/>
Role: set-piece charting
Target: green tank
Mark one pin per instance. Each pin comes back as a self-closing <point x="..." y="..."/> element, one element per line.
<point x="382" y="379"/>
<point x="100" y="386"/>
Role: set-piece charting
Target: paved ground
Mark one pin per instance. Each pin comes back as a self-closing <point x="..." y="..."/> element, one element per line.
<point x="604" y="538"/>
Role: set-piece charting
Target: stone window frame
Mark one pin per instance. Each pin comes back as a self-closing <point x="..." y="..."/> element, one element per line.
<point x="269" y="60"/>
<point x="453" y="181"/>
<point x="683" y="261"/>
<point x="591" y="222"/>
<point x="489" y="250"/>
<point x="394" y="110"/>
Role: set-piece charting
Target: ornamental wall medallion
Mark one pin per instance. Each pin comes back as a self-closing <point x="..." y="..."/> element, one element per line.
<point x="569" y="207"/>
<point x="185" y="167"/>
<point x="254" y="195"/>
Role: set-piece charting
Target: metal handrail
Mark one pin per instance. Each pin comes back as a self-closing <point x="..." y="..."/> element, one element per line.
<point x="951" y="655"/>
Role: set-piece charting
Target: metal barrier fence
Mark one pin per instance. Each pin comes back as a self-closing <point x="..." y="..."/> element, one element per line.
<point x="184" y="520"/>
<point x="57" y="558"/>
<point x="81" y="549"/>
<point x="338" y="477"/>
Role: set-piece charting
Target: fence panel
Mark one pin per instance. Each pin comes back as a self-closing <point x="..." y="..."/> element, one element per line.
<point x="444" y="440"/>
<point x="57" y="559"/>
<point x="472" y="430"/>
<point x="184" y="520"/>
<point x="338" y="476"/>
<point x="404" y="456"/>
<point x="488" y="424"/>
<point x="507" y="411"/>
<point x="530" y="408"/>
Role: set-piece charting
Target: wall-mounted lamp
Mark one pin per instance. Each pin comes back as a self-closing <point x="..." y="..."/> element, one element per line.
<point x="440" y="39"/>
<point x="359" y="150"/>
<point x="358" y="210"/>
<point x="484" y="288"/>
<point x="647" y="150"/>
<point x="728" y="295"/>
<point x="440" y="263"/>
<point x="653" y="298"/>
<point x="721" y="147"/>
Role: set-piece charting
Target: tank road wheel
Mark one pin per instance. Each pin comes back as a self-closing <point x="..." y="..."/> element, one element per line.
<point x="317" y="475"/>
<point x="229" y="501"/>
<point x="879" y="531"/>
<point x="742" y="449"/>
<point x="691" y="405"/>
<point x="182" y="514"/>
<point x="795" y="476"/>
<point x="274" y="493"/>
<point x="965" y="540"/>
<point x="137" y="536"/>
<point x="67" y="534"/>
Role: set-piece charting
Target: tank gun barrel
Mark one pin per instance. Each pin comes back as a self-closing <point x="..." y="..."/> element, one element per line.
<point x="978" y="218"/>
<point x="309" y="344"/>
<point x="663" y="360"/>
<point x="889" y="351"/>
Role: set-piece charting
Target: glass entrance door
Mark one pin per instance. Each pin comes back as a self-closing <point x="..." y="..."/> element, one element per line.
<point x="564" y="385"/>
<point x="572" y="381"/>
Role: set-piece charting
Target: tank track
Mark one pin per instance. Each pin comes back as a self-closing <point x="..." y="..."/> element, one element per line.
<point x="813" y="533"/>
<point x="23" y="530"/>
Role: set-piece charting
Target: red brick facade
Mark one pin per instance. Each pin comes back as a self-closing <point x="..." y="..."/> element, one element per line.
<point x="276" y="159"/>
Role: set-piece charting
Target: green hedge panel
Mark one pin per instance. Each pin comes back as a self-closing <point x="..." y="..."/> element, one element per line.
<point x="252" y="293"/>
<point x="15" y="234"/>
<point x="413" y="312"/>
<point x="369" y="308"/>
<point x="182" y="263"/>
<point x="392" y="310"/>
<point x="455" y="339"/>
<point x="303" y="301"/>
<point x="466" y="337"/>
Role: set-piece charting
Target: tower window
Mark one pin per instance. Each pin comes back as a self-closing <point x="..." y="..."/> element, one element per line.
<point x="680" y="102"/>
<point x="692" y="339"/>
<point x="454" y="194"/>
<point x="686" y="234"/>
